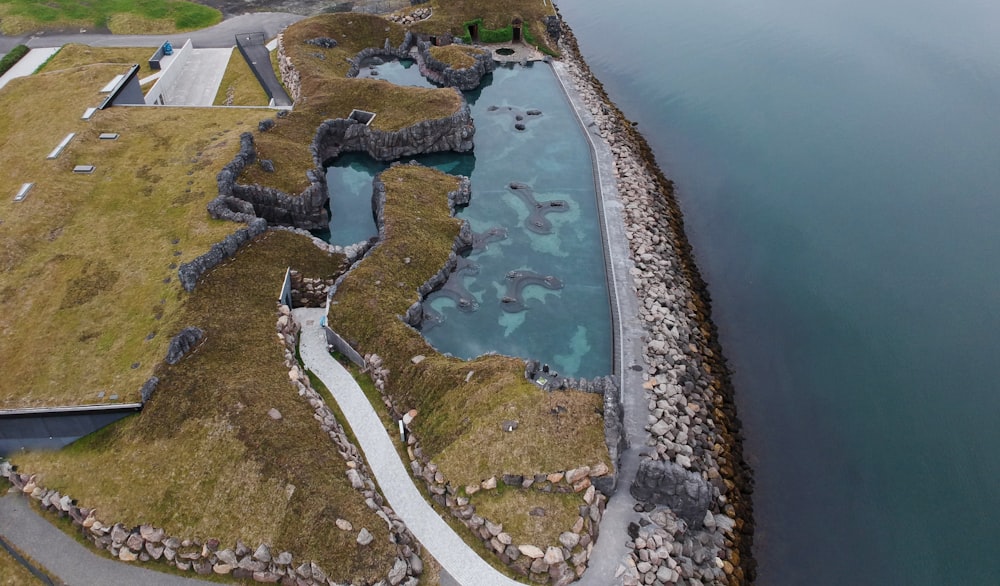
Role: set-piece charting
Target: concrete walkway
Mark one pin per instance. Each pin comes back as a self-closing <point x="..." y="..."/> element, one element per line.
<point x="67" y="559"/>
<point x="28" y="64"/>
<point x="200" y="78"/>
<point x="610" y="550"/>
<point x="437" y="537"/>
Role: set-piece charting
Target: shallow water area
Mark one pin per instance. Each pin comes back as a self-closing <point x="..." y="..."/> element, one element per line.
<point x="534" y="211"/>
<point x="397" y="71"/>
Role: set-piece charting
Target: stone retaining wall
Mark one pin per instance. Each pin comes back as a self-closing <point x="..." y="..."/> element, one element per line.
<point x="467" y="78"/>
<point x="305" y="210"/>
<point x="189" y="272"/>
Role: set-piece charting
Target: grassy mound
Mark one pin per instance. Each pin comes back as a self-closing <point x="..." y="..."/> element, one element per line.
<point x="327" y="93"/>
<point x="88" y="289"/>
<point x="204" y="459"/>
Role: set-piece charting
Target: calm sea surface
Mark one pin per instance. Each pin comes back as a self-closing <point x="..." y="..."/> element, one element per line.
<point x="838" y="163"/>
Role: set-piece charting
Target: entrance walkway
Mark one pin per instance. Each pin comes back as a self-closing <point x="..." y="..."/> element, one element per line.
<point x="28" y="64"/>
<point x="457" y="559"/>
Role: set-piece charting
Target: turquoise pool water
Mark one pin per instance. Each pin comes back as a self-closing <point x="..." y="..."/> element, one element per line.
<point x="534" y="207"/>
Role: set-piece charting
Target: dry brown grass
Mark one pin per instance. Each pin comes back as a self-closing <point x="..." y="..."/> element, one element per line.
<point x="14" y="574"/>
<point x="88" y="262"/>
<point x="457" y="56"/>
<point x="204" y="459"/>
<point x="514" y="507"/>
<point x="73" y="55"/>
<point x="240" y="81"/>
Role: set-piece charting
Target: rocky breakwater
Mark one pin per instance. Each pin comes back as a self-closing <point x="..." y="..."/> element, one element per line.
<point x="556" y="563"/>
<point x="695" y="515"/>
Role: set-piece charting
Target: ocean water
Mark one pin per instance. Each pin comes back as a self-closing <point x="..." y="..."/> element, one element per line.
<point x="838" y="164"/>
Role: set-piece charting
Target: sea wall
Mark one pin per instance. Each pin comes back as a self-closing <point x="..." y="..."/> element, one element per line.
<point x="693" y="459"/>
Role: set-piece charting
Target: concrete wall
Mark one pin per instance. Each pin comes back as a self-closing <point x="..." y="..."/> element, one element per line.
<point x="162" y="87"/>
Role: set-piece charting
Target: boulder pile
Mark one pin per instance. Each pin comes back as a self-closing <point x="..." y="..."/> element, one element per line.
<point x="693" y="461"/>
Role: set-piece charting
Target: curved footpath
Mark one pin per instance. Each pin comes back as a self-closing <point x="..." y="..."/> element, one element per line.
<point x="437" y="537"/>
<point x="64" y="557"/>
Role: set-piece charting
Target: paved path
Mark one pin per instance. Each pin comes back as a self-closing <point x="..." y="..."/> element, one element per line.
<point x="457" y="559"/>
<point x="67" y="559"/>
<point x="610" y="550"/>
<point x="219" y="36"/>
<point x="27" y="64"/>
<point x="200" y="78"/>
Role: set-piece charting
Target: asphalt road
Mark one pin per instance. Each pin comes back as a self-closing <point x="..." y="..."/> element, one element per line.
<point x="220" y="36"/>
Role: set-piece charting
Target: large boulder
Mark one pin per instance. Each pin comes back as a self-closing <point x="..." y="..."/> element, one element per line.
<point x="666" y="483"/>
<point x="182" y="343"/>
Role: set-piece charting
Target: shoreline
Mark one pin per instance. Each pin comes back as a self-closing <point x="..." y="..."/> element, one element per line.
<point x="642" y="186"/>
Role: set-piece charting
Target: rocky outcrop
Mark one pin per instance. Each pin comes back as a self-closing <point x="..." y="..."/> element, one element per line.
<point x="451" y="133"/>
<point x="305" y="210"/>
<point x="182" y="343"/>
<point x="189" y="272"/>
<point x="667" y="483"/>
<point x="466" y="78"/>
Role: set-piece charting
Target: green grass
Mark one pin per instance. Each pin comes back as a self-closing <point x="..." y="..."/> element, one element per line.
<point x="204" y="459"/>
<point x="13" y="57"/>
<point x="239" y="85"/>
<point x="119" y="16"/>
